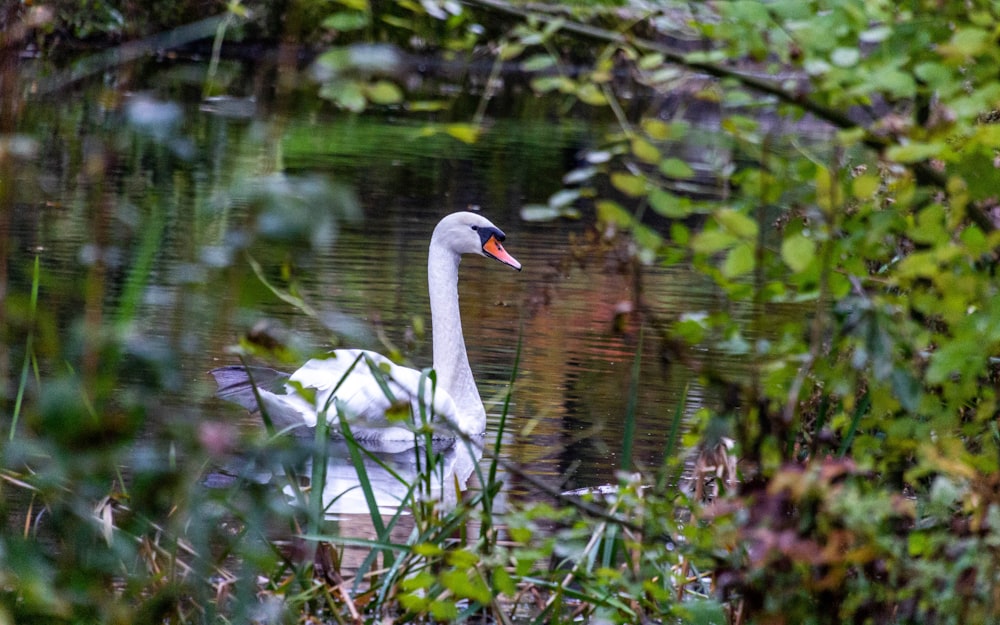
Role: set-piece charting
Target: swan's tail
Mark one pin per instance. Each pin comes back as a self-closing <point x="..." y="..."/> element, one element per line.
<point x="236" y="384"/>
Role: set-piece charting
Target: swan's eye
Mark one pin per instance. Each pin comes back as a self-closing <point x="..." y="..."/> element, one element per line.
<point x="475" y="227"/>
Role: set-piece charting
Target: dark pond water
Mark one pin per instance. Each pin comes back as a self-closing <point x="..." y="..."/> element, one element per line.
<point x="145" y="202"/>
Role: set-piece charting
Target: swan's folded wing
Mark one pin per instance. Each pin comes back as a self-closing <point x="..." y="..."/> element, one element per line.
<point x="365" y="385"/>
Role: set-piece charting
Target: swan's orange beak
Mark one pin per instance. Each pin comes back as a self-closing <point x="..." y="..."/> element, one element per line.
<point x="493" y="248"/>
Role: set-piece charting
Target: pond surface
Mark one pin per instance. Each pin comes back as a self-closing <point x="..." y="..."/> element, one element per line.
<point x="145" y="203"/>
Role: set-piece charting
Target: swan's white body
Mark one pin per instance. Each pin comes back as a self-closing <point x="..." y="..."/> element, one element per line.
<point x="351" y="383"/>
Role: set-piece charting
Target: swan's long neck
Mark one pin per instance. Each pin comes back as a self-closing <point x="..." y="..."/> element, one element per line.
<point x="451" y="361"/>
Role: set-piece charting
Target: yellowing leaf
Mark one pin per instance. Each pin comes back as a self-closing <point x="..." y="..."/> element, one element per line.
<point x="591" y="94"/>
<point x="828" y="192"/>
<point x="426" y="105"/>
<point x="645" y="151"/>
<point x="656" y="129"/>
<point x="466" y="133"/>
<point x="384" y="92"/>
<point x="865" y="186"/>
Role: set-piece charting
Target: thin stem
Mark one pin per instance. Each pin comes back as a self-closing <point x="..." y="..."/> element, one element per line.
<point x="28" y="349"/>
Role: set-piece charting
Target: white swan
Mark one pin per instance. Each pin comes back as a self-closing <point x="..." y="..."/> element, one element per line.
<point x="347" y="381"/>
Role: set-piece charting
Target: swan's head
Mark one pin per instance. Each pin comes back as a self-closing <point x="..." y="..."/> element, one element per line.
<point x="470" y="233"/>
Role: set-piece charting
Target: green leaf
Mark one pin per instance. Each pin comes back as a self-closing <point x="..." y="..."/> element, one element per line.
<point x="845" y="57"/>
<point x="975" y="241"/>
<point x="737" y="223"/>
<point x="895" y="82"/>
<point x="444" y="610"/>
<point x="427" y="549"/>
<point x="650" y="61"/>
<point x="630" y="184"/>
<point x="967" y="42"/>
<point x="612" y="212"/>
<point x="422" y="580"/>
<point x="537" y="62"/>
<point x="679" y="233"/>
<point x="668" y="204"/>
<point x="906" y="388"/>
<point x="918" y="264"/>
<point x="647" y="238"/>
<point x="503" y="582"/>
<point x="465" y="586"/>
<point x="413" y="602"/>
<point x="461" y="558"/>
<point x="346" y="21"/>
<point x="676" y="168"/>
<point x="510" y="50"/>
<point x="739" y="261"/>
<point x="546" y="84"/>
<point x="798" y="252"/>
<point x="914" y="152"/>
<point x="930" y="227"/>
<point x="591" y="94"/>
<point x="345" y="93"/>
<point x="938" y="76"/>
<point x="712" y="241"/>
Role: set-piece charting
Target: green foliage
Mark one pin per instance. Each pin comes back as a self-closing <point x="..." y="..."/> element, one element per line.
<point x="843" y="204"/>
<point x="866" y="232"/>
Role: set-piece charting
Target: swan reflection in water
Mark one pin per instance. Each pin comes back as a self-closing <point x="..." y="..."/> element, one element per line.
<point x="398" y="473"/>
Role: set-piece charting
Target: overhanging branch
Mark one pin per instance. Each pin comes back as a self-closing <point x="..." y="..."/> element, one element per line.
<point x="924" y="173"/>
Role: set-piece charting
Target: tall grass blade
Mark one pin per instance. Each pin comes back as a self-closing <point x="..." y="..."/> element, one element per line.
<point x="29" y="348"/>
<point x="630" y="410"/>
<point x="317" y="479"/>
<point x="353" y="447"/>
<point x="142" y="267"/>
<point x="502" y="426"/>
<point x="671" y="449"/>
<point x="859" y="412"/>
<point x="490" y="488"/>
